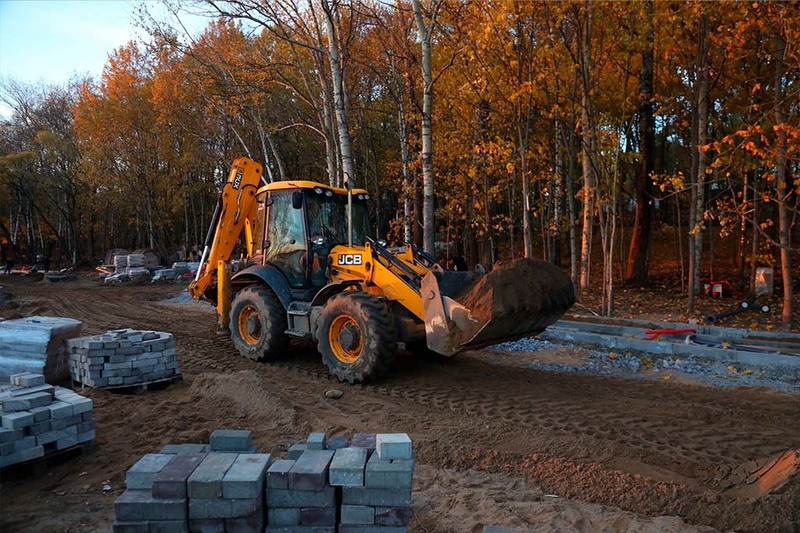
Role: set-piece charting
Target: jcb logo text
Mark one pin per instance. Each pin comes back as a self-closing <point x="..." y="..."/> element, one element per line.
<point x="350" y="259"/>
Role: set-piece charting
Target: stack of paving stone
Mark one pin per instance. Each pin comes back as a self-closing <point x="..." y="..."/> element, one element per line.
<point x="38" y="419"/>
<point x="324" y="487"/>
<point x="300" y="498"/>
<point x="123" y="358"/>
<point x="36" y="344"/>
<point x="376" y="474"/>
<point x="221" y="490"/>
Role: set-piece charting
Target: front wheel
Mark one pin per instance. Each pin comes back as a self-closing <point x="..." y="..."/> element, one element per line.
<point x="356" y="337"/>
<point x="258" y="324"/>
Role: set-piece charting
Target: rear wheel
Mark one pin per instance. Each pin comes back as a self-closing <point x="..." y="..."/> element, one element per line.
<point x="258" y="324"/>
<point x="356" y="337"/>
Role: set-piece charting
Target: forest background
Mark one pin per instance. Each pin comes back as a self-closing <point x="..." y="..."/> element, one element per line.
<point x="576" y="132"/>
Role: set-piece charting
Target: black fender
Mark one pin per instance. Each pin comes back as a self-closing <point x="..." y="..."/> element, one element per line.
<point x="332" y="289"/>
<point x="267" y="275"/>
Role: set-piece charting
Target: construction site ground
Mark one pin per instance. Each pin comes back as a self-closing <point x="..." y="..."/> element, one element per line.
<point x="498" y="442"/>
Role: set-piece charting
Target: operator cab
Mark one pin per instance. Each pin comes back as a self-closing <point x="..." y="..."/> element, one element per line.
<point x="298" y="224"/>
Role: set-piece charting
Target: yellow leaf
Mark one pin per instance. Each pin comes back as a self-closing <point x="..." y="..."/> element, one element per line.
<point x="667" y="377"/>
<point x="748" y="371"/>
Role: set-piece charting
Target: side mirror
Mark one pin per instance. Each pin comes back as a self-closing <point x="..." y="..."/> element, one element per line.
<point x="297" y="199"/>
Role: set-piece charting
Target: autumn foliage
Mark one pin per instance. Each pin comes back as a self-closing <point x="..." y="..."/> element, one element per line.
<point x="563" y="130"/>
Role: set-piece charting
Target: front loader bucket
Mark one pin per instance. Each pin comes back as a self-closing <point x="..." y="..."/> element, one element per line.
<point x="517" y="299"/>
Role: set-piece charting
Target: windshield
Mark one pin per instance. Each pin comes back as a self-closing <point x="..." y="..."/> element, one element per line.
<point x="327" y="218"/>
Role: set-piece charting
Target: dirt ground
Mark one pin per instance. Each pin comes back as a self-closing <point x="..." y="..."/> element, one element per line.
<point x="498" y="443"/>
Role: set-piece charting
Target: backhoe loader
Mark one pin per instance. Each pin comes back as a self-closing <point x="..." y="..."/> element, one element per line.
<point x="312" y="271"/>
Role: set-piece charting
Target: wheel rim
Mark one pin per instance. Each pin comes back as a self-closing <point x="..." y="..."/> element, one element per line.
<point x="250" y="324"/>
<point x="345" y="339"/>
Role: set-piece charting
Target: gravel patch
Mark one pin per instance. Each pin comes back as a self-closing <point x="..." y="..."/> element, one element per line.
<point x="184" y="297"/>
<point x="661" y="368"/>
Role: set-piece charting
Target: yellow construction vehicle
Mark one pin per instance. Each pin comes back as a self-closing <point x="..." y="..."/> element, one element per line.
<point x="312" y="271"/>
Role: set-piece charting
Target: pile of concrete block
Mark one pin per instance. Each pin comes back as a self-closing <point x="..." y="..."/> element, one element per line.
<point x="376" y="474"/>
<point x="36" y="344"/>
<point x="123" y="358"/>
<point x="360" y="486"/>
<point x="38" y="419"/>
<point x="219" y="489"/>
<point x="300" y="497"/>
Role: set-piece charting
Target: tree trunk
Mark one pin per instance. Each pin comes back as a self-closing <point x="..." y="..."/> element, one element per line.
<point x="588" y="172"/>
<point x="636" y="268"/>
<point x="337" y="78"/>
<point x="405" y="158"/>
<point x="782" y="191"/>
<point x="426" y="32"/>
<point x="696" y="209"/>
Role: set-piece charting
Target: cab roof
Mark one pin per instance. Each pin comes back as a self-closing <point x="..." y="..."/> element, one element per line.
<point x="303" y="184"/>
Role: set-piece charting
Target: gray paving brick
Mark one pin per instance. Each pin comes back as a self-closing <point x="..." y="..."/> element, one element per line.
<point x="60" y="409"/>
<point x="389" y="474"/>
<point x="40" y="414"/>
<point x="169" y="526"/>
<point x="363" y="440"/>
<point x="347" y="467"/>
<point x="41" y="427"/>
<point x="376" y="497"/>
<point x="296" y="450"/>
<point x="27" y="379"/>
<point x="209" y="508"/>
<point x="301" y="498"/>
<point x="25" y="443"/>
<point x="26" y="402"/>
<point x="245" y="478"/>
<point x="17" y="420"/>
<point x="392" y="516"/>
<point x="67" y="442"/>
<point x="46" y="438"/>
<point x="231" y="440"/>
<point x="310" y="471"/>
<point x="206" y="480"/>
<point x="357" y="515"/>
<point x="393" y="446"/>
<point x="131" y="527"/>
<point x="81" y="405"/>
<point x="140" y="475"/>
<point x="65" y="422"/>
<point x="10" y="435"/>
<point x="32" y="453"/>
<point x="336" y="443"/>
<point x="246" y="524"/>
<point x="22" y="391"/>
<point x="87" y="436"/>
<point x="12" y="459"/>
<point x="207" y="525"/>
<point x="316" y="441"/>
<point x="278" y="474"/>
<point x="138" y="505"/>
<point x="171" y="481"/>
<point x="299" y="529"/>
<point x="289" y="516"/>
<point x="318" y="516"/>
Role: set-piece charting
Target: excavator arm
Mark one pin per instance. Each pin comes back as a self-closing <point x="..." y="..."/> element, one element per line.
<point x="236" y="211"/>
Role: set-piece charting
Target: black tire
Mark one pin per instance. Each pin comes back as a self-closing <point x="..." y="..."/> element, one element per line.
<point x="356" y="337"/>
<point x="258" y="324"/>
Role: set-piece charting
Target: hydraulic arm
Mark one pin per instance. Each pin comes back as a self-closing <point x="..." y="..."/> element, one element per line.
<point x="235" y="211"/>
